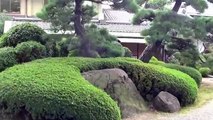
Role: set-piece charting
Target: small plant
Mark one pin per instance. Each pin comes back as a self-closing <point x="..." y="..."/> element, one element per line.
<point x="205" y="71"/>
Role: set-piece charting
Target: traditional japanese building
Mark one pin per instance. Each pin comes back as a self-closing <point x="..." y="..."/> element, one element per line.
<point x="21" y="7"/>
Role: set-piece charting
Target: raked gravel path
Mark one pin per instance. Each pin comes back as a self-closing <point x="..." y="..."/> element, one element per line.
<point x="203" y="113"/>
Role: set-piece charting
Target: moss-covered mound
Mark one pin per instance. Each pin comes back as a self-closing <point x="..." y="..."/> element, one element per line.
<point x="53" y="91"/>
<point x="149" y="79"/>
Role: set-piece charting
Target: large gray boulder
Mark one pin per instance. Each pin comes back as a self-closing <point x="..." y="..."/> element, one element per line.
<point x="166" y="102"/>
<point x="118" y="85"/>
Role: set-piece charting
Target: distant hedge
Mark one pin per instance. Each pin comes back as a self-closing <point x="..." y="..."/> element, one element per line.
<point x="22" y="33"/>
<point x="192" y="72"/>
<point x="205" y="71"/>
<point x="53" y="91"/>
<point x="149" y="79"/>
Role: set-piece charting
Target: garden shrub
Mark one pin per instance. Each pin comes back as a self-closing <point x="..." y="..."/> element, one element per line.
<point x="128" y="52"/>
<point x="53" y="91"/>
<point x="149" y="79"/>
<point x="195" y="74"/>
<point x="22" y="33"/>
<point x="28" y="51"/>
<point x="205" y="71"/>
<point x="7" y="58"/>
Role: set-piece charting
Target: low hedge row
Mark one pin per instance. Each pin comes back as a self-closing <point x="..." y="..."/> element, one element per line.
<point x="149" y="79"/>
<point x="53" y="91"/>
<point x="192" y="72"/>
<point x="205" y="71"/>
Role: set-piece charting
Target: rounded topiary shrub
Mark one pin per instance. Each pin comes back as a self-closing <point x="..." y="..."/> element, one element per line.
<point x="128" y="52"/>
<point x="21" y="33"/>
<point x="7" y="58"/>
<point x="205" y="71"/>
<point x="52" y="91"/>
<point x="28" y="51"/>
<point x="149" y="79"/>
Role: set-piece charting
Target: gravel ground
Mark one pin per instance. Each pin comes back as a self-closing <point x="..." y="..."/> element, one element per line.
<point x="203" y="113"/>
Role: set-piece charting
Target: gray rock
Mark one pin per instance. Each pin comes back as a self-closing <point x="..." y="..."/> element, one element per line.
<point x="117" y="84"/>
<point x="166" y="102"/>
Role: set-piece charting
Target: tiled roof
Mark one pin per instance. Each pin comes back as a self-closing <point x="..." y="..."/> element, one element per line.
<point x="126" y="28"/>
<point x="115" y="21"/>
<point x="117" y="16"/>
<point x="43" y="25"/>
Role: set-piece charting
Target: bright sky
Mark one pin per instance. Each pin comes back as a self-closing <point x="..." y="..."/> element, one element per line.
<point x="191" y="10"/>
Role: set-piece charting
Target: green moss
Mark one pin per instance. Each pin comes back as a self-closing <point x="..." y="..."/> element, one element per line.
<point x="54" y="91"/>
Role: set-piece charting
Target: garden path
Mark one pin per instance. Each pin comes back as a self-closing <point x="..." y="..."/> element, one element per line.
<point x="203" y="113"/>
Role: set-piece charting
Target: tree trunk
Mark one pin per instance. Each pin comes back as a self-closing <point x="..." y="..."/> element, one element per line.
<point x="151" y="50"/>
<point x="177" y="5"/>
<point x="80" y="30"/>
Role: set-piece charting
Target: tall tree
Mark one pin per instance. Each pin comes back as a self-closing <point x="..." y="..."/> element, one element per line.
<point x="168" y="24"/>
<point x="72" y="15"/>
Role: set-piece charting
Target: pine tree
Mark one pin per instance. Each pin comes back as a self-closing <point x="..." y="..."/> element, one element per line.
<point x="72" y="15"/>
<point x="168" y="25"/>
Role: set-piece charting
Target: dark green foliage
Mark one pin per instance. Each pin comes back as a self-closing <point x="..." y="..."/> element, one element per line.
<point x="128" y="5"/>
<point x="188" y="57"/>
<point x="7" y="58"/>
<point x="53" y="91"/>
<point x="61" y="14"/>
<point x="68" y="44"/>
<point x="193" y="73"/>
<point x="157" y="4"/>
<point x="146" y="14"/>
<point x="205" y="71"/>
<point x="104" y="44"/>
<point x="128" y="52"/>
<point x="28" y="51"/>
<point x="22" y="33"/>
<point x="149" y="79"/>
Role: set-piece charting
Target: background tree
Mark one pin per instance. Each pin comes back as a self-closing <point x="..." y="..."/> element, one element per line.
<point x="72" y="15"/>
<point x="167" y="24"/>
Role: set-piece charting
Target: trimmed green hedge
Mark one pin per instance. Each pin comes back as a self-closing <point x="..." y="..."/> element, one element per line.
<point x="53" y="91"/>
<point x="205" y="71"/>
<point x="195" y="74"/>
<point x="7" y="58"/>
<point x="53" y="88"/>
<point x="149" y="79"/>
<point x="22" y="33"/>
